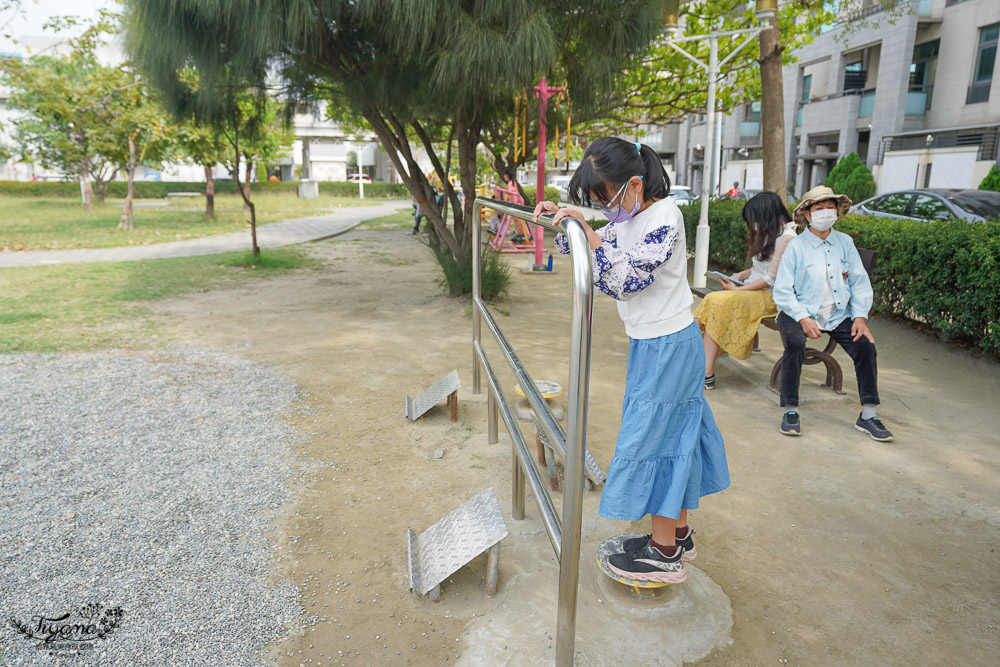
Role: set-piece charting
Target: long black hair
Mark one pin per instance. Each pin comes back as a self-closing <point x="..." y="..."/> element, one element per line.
<point x="765" y="215"/>
<point x="512" y="181"/>
<point x="608" y="163"/>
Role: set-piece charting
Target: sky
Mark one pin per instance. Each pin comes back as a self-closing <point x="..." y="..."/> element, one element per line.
<point x="35" y="13"/>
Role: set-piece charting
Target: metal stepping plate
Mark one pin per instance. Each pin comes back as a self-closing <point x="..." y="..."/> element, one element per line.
<point x="613" y="545"/>
<point x="415" y="408"/>
<point x="445" y="547"/>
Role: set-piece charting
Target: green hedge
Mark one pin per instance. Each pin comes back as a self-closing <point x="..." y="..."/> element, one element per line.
<point x="157" y="190"/>
<point x="943" y="274"/>
<point x="551" y="194"/>
<point x="727" y="244"/>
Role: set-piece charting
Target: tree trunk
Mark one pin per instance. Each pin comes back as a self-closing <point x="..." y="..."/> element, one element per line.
<point x="396" y="143"/>
<point x="468" y="140"/>
<point x="247" y="204"/>
<point x="447" y="171"/>
<point x="101" y="189"/>
<point x="246" y="186"/>
<point x="126" y="221"/>
<point x="88" y="191"/>
<point x="209" y="194"/>
<point x="772" y="111"/>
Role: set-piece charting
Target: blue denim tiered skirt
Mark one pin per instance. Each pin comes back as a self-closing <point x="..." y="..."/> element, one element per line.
<point x="669" y="451"/>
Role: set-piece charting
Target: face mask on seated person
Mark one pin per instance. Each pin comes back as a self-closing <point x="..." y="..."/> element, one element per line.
<point x="822" y="219"/>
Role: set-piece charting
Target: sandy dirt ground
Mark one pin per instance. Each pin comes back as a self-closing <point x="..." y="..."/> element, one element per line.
<point x="828" y="549"/>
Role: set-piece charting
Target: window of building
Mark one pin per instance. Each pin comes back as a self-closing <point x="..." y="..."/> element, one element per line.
<point x="926" y="207"/>
<point x="752" y="112"/>
<point x="922" y="70"/>
<point x="986" y="56"/>
<point x="807" y="82"/>
<point x="854" y="76"/>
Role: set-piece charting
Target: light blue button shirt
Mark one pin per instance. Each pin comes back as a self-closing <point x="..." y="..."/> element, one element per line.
<point x="807" y="263"/>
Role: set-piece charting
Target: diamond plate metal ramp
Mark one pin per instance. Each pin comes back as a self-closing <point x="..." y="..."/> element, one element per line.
<point x="442" y="549"/>
<point x="446" y="386"/>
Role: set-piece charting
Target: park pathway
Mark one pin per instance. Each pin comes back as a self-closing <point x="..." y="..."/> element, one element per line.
<point x="274" y="235"/>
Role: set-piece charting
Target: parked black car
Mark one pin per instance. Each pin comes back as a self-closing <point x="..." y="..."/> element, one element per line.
<point x="943" y="204"/>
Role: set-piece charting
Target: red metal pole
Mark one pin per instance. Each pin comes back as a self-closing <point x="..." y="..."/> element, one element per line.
<point x="543" y="93"/>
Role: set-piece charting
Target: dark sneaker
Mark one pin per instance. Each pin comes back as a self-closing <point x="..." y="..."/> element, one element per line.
<point x="649" y="564"/>
<point x="710" y="381"/>
<point x="790" y="423"/>
<point x="687" y="544"/>
<point x="875" y="428"/>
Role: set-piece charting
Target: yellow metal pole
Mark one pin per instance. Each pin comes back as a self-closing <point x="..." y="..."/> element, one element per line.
<point x="567" y="141"/>
<point x="524" y="131"/>
<point x="557" y="147"/>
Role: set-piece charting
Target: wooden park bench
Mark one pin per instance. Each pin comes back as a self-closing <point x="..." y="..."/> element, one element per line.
<point x="834" y="374"/>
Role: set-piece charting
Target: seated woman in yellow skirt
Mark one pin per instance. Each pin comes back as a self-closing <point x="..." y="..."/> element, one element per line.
<point x="729" y="319"/>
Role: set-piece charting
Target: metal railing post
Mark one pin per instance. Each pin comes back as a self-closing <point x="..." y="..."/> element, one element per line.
<point x="576" y="441"/>
<point x="565" y="534"/>
<point x="476" y="278"/>
<point x="517" y="495"/>
<point x="491" y="417"/>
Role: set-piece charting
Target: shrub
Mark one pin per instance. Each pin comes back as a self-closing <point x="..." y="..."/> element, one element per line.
<point x="851" y="177"/>
<point x="457" y="276"/>
<point x="992" y="180"/>
<point x="727" y="243"/>
<point x="551" y="194"/>
<point x="940" y="273"/>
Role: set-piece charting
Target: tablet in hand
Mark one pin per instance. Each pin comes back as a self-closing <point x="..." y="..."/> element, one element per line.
<point x="719" y="276"/>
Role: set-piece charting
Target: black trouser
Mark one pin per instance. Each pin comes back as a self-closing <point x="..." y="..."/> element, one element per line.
<point x="861" y="351"/>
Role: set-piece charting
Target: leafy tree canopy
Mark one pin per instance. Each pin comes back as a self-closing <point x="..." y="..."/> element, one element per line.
<point x="410" y="68"/>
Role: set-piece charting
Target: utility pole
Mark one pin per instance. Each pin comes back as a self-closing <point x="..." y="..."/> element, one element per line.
<point x="765" y="10"/>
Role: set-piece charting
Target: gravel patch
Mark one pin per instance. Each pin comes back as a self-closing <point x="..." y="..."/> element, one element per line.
<point x="145" y="483"/>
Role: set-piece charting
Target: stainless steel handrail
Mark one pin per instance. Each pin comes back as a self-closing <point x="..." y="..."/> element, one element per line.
<point x="564" y="535"/>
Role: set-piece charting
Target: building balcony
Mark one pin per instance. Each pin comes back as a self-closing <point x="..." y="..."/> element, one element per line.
<point x="830" y="113"/>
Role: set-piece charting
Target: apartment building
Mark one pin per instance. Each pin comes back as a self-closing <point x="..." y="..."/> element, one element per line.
<point x="918" y="98"/>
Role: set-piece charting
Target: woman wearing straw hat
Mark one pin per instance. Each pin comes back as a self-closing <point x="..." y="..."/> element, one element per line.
<point x="822" y="287"/>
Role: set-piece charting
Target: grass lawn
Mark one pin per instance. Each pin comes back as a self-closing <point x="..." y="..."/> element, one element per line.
<point x="398" y="220"/>
<point x="56" y="224"/>
<point x="88" y="306"/>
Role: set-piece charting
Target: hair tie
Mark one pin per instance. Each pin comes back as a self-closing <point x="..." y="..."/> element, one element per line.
<point x="638" y="146"/>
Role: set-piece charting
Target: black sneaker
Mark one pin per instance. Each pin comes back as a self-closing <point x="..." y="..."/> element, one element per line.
<point x="790" y="423"/>
<point x="687" y="544"/>
<point x="710" y="381"/>
<point x="875" y="428"/>
<point x="649" y="564"/>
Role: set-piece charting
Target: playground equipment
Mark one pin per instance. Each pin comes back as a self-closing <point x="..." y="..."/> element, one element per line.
<point x="613" y="545"/>
<point x="545" y="447"/>
<point x="446" y="386"/>
<point x="500" y="242"/>
<point x="564" y="535"/>
<point x="441" y="550"/>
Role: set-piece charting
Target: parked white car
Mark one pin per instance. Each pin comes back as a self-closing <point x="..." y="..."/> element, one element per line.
<point x="561" y="183"/>
<point x="360" y="177"/>
<point x="682" y="195"/>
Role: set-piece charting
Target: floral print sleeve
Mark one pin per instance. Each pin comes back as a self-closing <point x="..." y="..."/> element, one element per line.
<point x="623" y="273"/>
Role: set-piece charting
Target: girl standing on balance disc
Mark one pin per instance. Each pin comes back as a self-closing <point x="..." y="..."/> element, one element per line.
<point x="669" y="451"/>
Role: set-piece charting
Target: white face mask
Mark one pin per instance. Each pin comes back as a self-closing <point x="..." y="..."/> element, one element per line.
<point x="822" y="219"/>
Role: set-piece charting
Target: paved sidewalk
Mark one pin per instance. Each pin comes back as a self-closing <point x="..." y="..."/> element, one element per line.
<point x="274" y="235"/>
